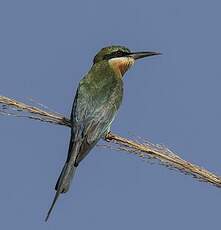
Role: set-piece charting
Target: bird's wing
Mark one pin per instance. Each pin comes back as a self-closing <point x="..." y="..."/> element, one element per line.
<point x="93" y="113"/>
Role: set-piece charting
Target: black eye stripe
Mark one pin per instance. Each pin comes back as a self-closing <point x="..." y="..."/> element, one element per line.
<point x="118" y="53"/>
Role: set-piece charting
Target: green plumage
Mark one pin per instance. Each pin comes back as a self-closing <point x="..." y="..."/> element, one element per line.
<point x="96" y="102"/>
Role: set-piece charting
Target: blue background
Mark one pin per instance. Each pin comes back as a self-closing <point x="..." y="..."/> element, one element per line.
<point x="174" y="99"/>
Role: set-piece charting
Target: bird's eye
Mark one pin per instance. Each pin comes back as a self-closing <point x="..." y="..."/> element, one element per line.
<point x="119" y="53"/>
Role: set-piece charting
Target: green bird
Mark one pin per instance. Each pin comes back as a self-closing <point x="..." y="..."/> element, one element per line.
<point x="98" y="97"/>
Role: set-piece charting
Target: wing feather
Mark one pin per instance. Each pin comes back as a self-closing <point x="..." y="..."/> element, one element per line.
<point x="93" y="112"/>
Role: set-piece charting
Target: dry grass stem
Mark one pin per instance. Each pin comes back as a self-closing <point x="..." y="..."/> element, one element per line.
<point x="144" y="150"/>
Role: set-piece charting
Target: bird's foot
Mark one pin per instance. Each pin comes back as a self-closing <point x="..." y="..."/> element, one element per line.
<point x="107" y="136"/>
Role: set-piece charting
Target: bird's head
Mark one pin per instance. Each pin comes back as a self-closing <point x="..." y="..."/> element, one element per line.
<point x="120" y="58"/>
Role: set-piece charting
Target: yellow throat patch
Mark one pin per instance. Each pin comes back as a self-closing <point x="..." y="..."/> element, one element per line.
<point x="121" y="64"/>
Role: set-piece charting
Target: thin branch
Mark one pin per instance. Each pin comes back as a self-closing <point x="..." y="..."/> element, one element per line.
<point x="8" y="105"/>
<point x="144" y="150"/>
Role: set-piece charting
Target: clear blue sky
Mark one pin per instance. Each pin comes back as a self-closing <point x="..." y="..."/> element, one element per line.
<point x="174" y="99"/>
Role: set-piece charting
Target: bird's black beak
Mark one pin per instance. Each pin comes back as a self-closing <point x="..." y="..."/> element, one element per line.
<point x="138" y="55"/>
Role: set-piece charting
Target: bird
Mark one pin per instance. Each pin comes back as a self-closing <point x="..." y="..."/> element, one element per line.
<point x="97" y="100"/>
